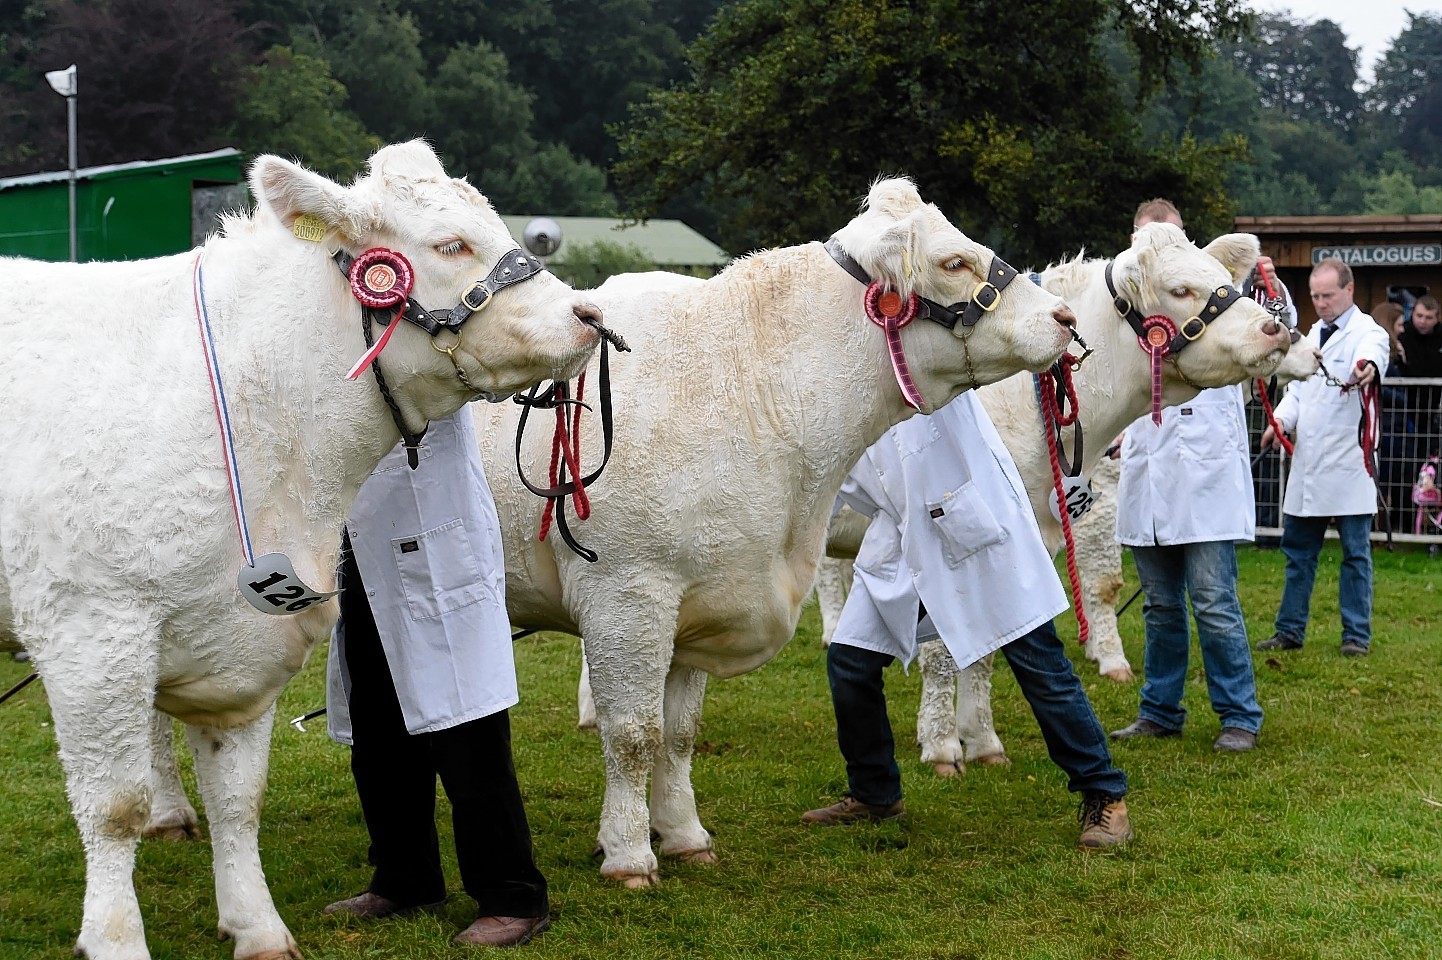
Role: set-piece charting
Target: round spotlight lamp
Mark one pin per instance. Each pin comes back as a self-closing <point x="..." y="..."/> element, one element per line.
<point x="542" y="236"/>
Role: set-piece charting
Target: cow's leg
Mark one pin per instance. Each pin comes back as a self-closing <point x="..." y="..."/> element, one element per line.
<point x="936" y="719"/>
<point x="100" y="700"/>
<point x="585" y="701"/>
<point x="673" y="801"/>
<point x="973" y="714"/>
<point x="629" y="662"/>
<point x="1099" y="563"/>
<point x="171" y="815"/>
<point x="230" y="765"/>
<point x="833" y="580"/>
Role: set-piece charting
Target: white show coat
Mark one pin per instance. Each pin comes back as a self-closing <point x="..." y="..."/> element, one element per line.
<point x="952" y="528"/>
<point x="1328" y="476"/>
<point x="428" y="546"/>
<point x="1190" y="479"/>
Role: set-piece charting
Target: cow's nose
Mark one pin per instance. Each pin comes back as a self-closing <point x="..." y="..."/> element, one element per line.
<point x="1271" y="328"/>
<point x="1064" y="316"/>
<point x="589" y="314"/>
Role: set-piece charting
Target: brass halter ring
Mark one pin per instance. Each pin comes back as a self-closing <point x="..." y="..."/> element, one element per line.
<point x="450" y="352"/>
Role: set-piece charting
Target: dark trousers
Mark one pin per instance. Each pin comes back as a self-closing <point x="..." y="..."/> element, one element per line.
<point x="1074" y="737"/>
<point x="395" y="775"/>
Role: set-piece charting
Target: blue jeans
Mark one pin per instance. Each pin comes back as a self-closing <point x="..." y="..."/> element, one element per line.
<point x="1302" y="543"/>
<point x="1207" y="572"/>
<point x="1074" y="737"/>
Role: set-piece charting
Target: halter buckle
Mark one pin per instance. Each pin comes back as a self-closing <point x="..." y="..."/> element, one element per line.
<point x="1122" y="306"/>
<point x="476" y="307"/>
<point x="1201" y="328"/>
<point x="981" y="288"/>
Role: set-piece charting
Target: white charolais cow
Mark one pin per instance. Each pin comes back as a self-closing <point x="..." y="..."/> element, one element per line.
<point x="746" y="401"/>
<point x="119" y="550"/>
<point x="1162" y="272"/>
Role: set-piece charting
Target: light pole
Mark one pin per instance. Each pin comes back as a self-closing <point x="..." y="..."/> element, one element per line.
<point x="65" y="83"/>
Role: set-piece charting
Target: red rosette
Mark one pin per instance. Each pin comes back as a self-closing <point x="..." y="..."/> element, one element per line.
<point x="886" y="306"/>
<point x="381" y="278"/>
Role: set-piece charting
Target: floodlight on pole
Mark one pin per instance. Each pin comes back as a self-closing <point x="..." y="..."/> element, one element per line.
<point x="67" y="84"/>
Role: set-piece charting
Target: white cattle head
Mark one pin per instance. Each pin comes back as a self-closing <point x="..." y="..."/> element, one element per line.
<point x="527" y="332"/>
<point x="910" y="247"/>
<point x="1165" y="273"/>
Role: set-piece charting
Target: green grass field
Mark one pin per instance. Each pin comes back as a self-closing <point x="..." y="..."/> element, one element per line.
<point x="1326" y="842"/>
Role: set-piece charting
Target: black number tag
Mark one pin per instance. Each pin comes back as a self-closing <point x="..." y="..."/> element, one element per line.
<point x="272" y="586"/>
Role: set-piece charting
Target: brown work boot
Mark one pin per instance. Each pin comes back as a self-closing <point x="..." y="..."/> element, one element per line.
<point x="503" y="931"/>
<point x="1104" y="822"/>
<point x="851" y="810"/>
<point x="373" y="906"/>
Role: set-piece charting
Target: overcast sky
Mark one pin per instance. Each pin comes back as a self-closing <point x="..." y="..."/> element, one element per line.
<point x="1368" y="24"/>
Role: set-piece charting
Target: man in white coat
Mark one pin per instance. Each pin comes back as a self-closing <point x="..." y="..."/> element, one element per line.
<point x="1329" y="479"/>
<point x="952" y="529"/>
<point x="1184" y="497"/>
<point x="419" y="681"/>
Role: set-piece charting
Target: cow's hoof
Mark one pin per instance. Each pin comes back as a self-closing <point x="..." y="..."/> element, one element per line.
<point x="1122" y="674"/>
<point x="705" y="856"/>
<point x="173" y="826"/>
<point x="638" y="881"/>
<point x="949" y="769"/>
<point x="992" y="760"/>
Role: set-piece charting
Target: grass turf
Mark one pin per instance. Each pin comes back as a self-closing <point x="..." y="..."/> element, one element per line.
<point x="1323" y="843"/>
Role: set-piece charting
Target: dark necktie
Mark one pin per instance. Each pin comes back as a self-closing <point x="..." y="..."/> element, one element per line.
<point x="1327" y="331"/>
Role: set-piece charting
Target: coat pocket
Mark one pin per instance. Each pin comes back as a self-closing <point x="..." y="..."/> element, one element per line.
<point x="439" y="570"/>
<point x="964" y="523"/>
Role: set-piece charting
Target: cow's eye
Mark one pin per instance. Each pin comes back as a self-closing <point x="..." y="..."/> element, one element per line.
<point x="1181" y="293"/>
<point x="954" y="265"/>
<point x="451" y="248"/>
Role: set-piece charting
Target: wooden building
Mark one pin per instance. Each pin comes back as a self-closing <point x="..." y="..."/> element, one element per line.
<point x="1390" y="256"/>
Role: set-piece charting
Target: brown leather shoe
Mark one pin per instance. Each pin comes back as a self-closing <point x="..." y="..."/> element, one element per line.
<point x="1104" y="822"/>
<point x="373" y="906"/>
<point x="851" y="810"/>
<point x="1143" y="727"/>
<point x="503" y="931"/>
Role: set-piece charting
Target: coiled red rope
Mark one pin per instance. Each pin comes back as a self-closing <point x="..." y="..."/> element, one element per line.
<point x="1277" y="430"/>
<point x="566" y="445"/>
<point x="1053" y="419"/>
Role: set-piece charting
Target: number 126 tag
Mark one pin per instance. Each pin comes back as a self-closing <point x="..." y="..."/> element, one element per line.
<point x="271" y="586"/>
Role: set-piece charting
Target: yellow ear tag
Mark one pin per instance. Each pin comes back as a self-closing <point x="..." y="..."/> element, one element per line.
<point x="308" y="226"/>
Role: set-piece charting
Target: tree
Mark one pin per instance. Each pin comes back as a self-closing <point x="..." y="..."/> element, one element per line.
<point x="1004" y="112"/>
<point x="158" y="78"/>
<point x="292" y="106"/>
<point x="588" y="265"/>
<point x="1303" y="70"/>
<point x="1407" y="92"/>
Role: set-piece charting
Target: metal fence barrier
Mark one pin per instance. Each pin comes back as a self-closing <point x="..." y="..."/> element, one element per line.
<point x="1411" y="436"/>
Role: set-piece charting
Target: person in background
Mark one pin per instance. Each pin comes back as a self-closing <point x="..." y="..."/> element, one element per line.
<point x="1185" y="495"/>
<point x="1329" y="480"/>
<point x="1420" y="345"/>
<point x="1397" y="459"/>
<point x="419" y="681"/>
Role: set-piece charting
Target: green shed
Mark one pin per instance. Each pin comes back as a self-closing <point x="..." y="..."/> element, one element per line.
<point x="123" y="211"/>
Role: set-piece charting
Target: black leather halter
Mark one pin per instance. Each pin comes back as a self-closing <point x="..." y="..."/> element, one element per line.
<point x="1194" y="326"/>
<point x="984" y="297"/>
<point x="512" y="268"/>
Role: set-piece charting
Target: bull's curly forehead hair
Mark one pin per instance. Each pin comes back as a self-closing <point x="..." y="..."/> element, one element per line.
<point x="1157" y="208"/>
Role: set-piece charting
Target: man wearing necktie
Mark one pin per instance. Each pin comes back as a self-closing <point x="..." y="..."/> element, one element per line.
<point x="1329" y="480"/>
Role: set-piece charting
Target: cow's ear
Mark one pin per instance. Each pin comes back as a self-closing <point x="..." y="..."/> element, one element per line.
<point x="1237" y="252"/>
<point x="1127" y="270"/>
<point x="290" y="191"/>
<point x="893" y="256"/>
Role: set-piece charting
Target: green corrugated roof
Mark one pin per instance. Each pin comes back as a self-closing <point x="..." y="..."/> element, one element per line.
<point x="668" y="243"/>
<point x="109" y="170"/>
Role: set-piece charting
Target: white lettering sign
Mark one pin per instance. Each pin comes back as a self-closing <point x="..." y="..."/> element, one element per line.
<point x="1382" y="255"/>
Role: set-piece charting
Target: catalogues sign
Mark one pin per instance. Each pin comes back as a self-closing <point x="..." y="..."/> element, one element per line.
<point x="1383" y="255"/>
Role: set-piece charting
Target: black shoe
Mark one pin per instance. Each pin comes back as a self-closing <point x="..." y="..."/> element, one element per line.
<point x="1279" y="641"/>
<point x="1144" y="728"/>
<point x="1351" y="648"/>
<point x="1235" y="740"/>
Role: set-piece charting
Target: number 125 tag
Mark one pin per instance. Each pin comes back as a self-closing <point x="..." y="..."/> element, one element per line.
<point x="272" y="586"/>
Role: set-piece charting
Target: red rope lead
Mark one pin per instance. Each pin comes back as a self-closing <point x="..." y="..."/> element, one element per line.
<point x="1053" y="419"/>
<point x="1369" y="430"/>
<point x="566" y="444"/>
<point x="1277" y="430"/>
